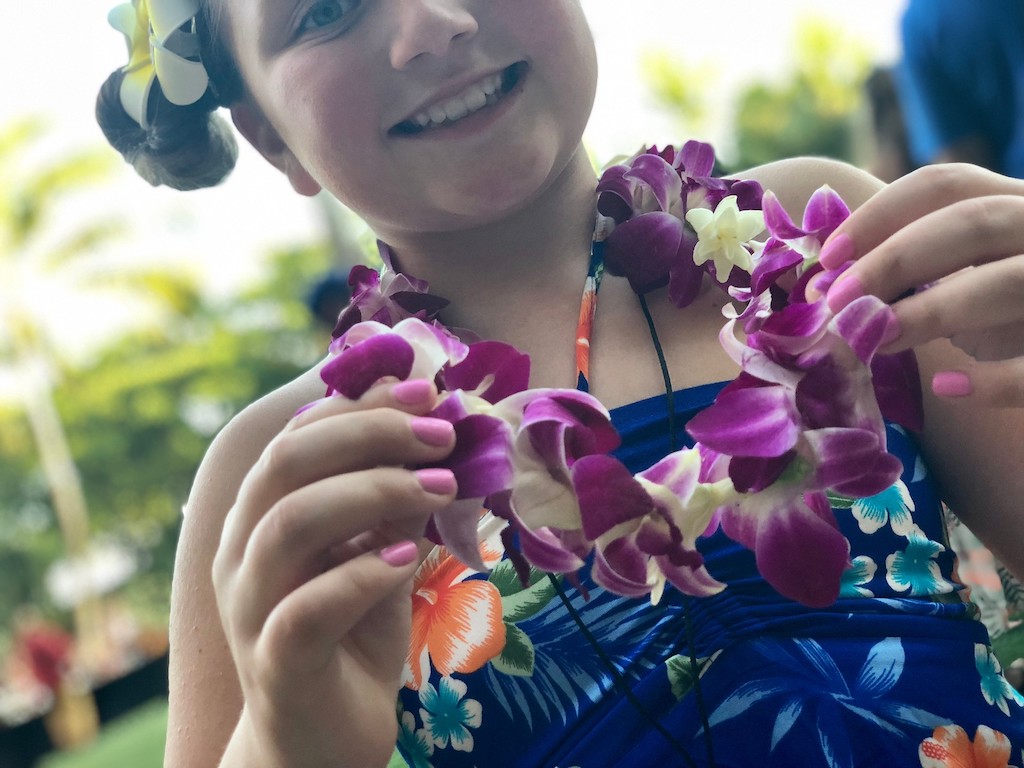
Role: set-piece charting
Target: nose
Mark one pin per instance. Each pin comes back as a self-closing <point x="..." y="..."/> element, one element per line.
<point x="428" y="28"/>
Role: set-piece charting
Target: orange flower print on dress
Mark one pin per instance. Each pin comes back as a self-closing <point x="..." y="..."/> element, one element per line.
<point x="457" y="621"/>
<point x="950" y="747"/>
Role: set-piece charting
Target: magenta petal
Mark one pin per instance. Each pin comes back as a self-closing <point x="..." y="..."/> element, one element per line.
<point x="824" y="212"/>
<point x="456" y="525"/>
<point x="659" y="177"/>
<point x="563" y="425"/>
<point x="776" y="259"/>
<point x="876" y="477"/>
<point x="751" y="474"/>
<point x="685" y="278"/>
<point x="842" y="455"/>
<point x="777" y="220"/>
<point x="897" y="383"/>
<point x="802" y="554"/>
<point x="481" y="459"/>
<point x="608" y="494"/>
<point x="621" y="568"/>
<point x="502" y="367"/>
<point x="697" y="158"/>
<point x="693" y="580"/>
<point x="862" y="324"/>
<point x="544" y="550"/>
<point x="793" y="329"/>
<point x="759" y="421"/>
<point x="643" y="249"/>
<point x="352" y="372"/>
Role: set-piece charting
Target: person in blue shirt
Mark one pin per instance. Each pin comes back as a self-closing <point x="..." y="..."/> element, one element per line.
<point x="961" y="82"/>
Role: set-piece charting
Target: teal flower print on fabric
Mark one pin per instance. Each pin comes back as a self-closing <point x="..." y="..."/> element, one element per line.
<point x="894" y="506"/>
<point x="994" y="686"/>
<point x="861" y="572"/>
<point x="414" y="743"/>
<point x="447" y="716"/>
<point x="915" y="570"/>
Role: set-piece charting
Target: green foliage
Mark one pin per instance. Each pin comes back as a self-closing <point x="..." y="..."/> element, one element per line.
<point x="809" y="112"/>
<point x="136" y="740"/>
<point x="812" y="112"/>
<point x="139" y="417"/>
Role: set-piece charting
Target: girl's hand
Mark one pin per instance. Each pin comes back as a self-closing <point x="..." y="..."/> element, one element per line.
<point x="313" y="573"/>
<point x="958" y="232"/>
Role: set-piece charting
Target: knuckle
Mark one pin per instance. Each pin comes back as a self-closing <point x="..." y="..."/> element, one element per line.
<point x="282" y="524"/>
<point x="983" y="220"/>
<point x="280" y="456"/>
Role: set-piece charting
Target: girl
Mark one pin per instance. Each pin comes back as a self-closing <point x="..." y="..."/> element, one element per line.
<point x="454" y="128"/>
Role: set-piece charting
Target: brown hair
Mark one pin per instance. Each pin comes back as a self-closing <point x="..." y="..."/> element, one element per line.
<point x="187" y="147"/>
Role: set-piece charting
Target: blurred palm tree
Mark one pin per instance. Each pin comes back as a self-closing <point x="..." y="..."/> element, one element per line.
<point x="34" y="253"/>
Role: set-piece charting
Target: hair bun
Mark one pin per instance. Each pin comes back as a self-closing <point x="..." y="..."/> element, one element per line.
<point x="185" y="147"/>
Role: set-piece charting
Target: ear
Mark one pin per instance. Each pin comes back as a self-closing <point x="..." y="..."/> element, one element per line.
<point x="258" y="131"/>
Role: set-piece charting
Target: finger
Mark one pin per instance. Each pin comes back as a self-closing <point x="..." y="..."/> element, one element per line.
<point x="306" y="627"/>
<point x="986" y="298"/>
<point x="332" y="445"/>
<point x="968" y="233"/>
<point x="298" y="538"/>
<point x="997" y="384"/>
<point x="907" y="199"/>
<point x="414" y="396"/>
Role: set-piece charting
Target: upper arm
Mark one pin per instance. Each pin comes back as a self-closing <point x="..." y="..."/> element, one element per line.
<point x="976" y="454"/>
<point x="794" y="181"/>
<point x="205" y="695"/>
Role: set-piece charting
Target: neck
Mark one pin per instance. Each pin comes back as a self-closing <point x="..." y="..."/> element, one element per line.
<point x="537" y="257"/>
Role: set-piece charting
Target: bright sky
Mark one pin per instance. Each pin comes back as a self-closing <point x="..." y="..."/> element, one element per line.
<point x="56" y="56"/>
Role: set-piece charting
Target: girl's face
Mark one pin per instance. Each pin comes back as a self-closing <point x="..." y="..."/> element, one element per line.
<point x="421" y="115"/>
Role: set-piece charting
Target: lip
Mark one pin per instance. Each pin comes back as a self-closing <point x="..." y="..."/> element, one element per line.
<point x="452" y="89"/>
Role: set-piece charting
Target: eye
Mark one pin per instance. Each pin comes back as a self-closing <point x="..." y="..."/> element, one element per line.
<point x="325" y="13"/>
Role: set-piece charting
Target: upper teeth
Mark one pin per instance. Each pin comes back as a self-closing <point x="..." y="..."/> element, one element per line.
<point x="471" y="100"/>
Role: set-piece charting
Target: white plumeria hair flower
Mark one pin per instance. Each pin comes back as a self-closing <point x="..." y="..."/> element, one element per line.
<point x="162" y="45"/>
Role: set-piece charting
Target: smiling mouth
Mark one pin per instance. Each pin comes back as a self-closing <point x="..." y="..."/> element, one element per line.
<point x="476" y="98"/>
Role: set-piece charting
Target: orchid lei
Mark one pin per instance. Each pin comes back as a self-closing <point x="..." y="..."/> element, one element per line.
<point x="805" y="415"/>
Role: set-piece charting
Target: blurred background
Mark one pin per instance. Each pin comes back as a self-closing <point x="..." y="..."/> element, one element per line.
<point x="134" y="322"/>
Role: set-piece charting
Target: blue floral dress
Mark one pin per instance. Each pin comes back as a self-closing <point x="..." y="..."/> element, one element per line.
<point x="501" y="675"/>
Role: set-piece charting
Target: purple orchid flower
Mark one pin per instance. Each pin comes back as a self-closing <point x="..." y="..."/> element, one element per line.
<point x="648" y="198"/>
<point x="371" y="351"/>
<point x="386" y="297"/>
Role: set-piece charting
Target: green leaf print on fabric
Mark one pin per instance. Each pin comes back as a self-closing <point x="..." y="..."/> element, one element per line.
<point x="518" y="656"/>
<point x="518" y="602"/>
<point x="682" y="675"/>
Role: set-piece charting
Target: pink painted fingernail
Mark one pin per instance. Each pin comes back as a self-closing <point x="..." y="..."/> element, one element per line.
<point x="952" y="384"/>
<point x="436" y="432"/>
<point x="398" y="555"/>
<point x="439" y="481"/>
<point x="837" y="252"/>
<point x="892" y="330"/>
<point x="846" y="289"/>
<point x="412" y="392"/>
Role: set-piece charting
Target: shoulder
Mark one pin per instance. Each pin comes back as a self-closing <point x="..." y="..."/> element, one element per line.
<point x="794" y="181"/>
<point x="240" y="443"/>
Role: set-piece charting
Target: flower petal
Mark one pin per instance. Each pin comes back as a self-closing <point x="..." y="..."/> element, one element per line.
<point x="352" y="372"/>
<point x="759" y="421"/>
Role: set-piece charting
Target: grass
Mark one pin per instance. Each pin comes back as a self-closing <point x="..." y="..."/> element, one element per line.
<point x="136" y="740"/>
